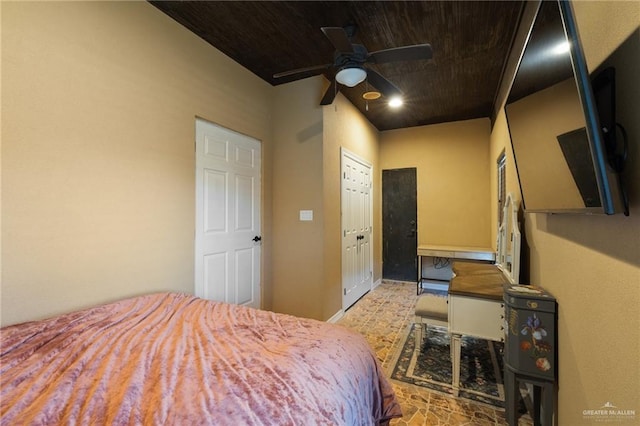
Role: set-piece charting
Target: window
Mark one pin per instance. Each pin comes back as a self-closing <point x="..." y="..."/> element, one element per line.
<point x="502" y="185"/>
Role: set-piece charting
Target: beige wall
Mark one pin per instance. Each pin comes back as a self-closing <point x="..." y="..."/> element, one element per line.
<point x="298" y="258"/>
<point x="591" y="264"/>
<point x="98" y="161"/>
<point x="99" y="103"/>
<point x="452" y="161"/>
<point x="307" y="277"/>
<point x="345" y="126"/>
<point x="1" y="79"/>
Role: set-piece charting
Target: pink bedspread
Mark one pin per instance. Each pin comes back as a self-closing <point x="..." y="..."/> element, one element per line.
<point x="177" y="359"/>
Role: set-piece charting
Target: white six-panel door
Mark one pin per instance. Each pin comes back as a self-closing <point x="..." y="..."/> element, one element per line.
<point x="227" y="244"/>
<point x="357" y="251"/>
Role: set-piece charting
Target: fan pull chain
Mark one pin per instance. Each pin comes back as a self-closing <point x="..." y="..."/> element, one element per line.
<point x="366" y="89"/>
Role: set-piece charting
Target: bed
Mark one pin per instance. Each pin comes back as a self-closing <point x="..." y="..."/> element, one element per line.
<point x="172" y="358"/>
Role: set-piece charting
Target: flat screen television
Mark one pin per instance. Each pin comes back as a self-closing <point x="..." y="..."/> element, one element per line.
<point x="562" y="151"/>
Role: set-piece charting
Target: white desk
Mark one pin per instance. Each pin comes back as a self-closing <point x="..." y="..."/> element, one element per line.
<point x="452" y="252"/>
<point x="475" y="309"/>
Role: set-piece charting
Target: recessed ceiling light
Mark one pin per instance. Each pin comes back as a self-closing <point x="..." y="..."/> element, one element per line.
<point x="395" y="102"/>
<point x="370" y="96"/>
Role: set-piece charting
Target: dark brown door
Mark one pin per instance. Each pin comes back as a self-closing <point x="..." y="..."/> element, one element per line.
<point x="399" y="225"/>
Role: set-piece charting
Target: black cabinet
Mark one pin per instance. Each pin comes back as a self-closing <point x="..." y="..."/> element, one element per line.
<point x="530" y="353"/>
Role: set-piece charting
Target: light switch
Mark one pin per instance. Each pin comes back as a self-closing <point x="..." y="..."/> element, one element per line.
<point x="306" y="215"/>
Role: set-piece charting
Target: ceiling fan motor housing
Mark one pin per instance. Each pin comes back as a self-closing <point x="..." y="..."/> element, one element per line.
<point x="353" y="59"/>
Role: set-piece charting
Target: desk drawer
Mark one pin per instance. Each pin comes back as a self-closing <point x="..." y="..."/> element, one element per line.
<point x="437" y="253"/>
<point x="476" y="255"/>
<point x="481" y="318"/>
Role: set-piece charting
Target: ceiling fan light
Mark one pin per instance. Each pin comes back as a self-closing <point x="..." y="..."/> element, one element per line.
<point x="351" y="77"/>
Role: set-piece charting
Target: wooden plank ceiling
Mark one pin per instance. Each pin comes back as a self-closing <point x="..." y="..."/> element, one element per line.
<point x="470" y="41"/>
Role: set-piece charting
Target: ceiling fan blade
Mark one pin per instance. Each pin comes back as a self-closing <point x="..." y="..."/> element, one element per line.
<point x="387" y="88"/>
<point x="330" y="94"/>
<point x="338" y="37"/>
<point x="406" y="53"/>
<point x="315" y="70"/>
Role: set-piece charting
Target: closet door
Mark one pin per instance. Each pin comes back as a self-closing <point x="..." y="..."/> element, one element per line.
<point x="357" y="250"/>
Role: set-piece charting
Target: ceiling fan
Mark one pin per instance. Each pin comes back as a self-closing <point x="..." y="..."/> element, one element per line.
<point x="348" y="67"/>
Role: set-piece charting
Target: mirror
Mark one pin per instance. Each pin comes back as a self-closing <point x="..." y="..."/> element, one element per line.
<point x="509" y="241"/>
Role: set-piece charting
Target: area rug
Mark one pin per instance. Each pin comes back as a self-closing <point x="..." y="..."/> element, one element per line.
<point x="480" y="366"/>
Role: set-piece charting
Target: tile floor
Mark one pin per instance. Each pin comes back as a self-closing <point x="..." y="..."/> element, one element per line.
<point x="382" y="316"/>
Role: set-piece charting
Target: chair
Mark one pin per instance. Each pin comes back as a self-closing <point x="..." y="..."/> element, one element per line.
<point x="430" y="310"/>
